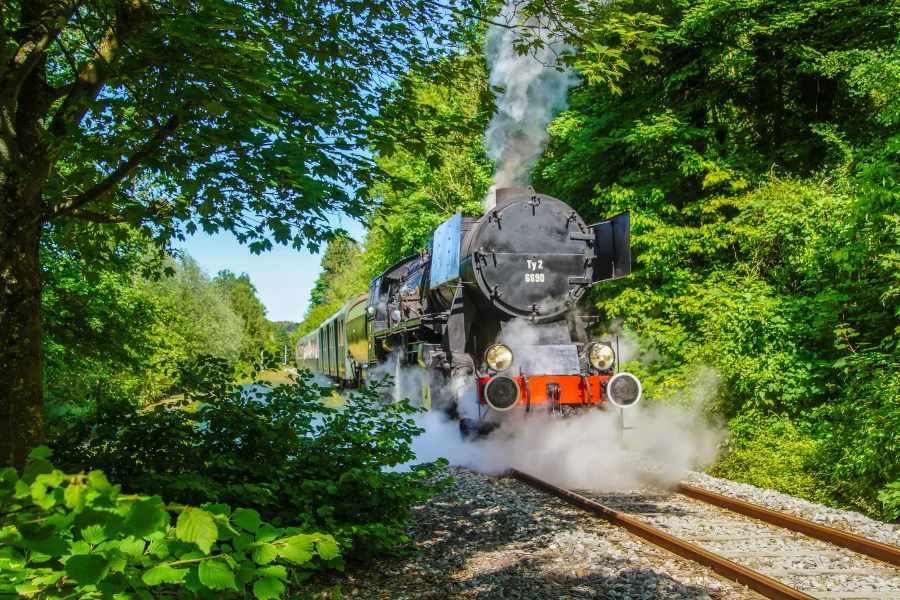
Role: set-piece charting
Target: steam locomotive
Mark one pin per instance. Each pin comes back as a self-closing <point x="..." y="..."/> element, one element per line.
<point x="492" y="299"/>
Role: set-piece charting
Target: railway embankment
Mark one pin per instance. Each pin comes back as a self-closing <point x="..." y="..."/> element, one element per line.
<point x="486" y="537"/>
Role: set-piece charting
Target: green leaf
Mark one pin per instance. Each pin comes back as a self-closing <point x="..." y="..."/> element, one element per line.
<point x="241" y="542"/>
<point x="159" y="548"/>
<point x="99" y="482"/>
<point x="267" y="533"/>
<point x="87" y="569"/>
<point x="297" y="549"/>
<point x="79" y="547"/>
<point x="118" y="560"/>
<point x="264" y="554"/>
<point x="49" y="579"/>
<point x="144" y="594"/>
<point x="197" y="526"/>
<point x="222" y="510"/>
<point x="11" y="558"/>
<point x="145" y="517"/>
<point x="276" y="571"/>
<point x="216" y="575"/>
<point x="52" y="546"/>
<point x="93" y="534"/>
<point x="27" y="588"/>
<point x="132" y="546"/>
<point x="75" y="496"/>
<point x="163" y="574"/>
<point x="41" y="452"/>
<point x="328" y="548"/>
<point x="268" y="588"/>
<point x="246" y="518"/>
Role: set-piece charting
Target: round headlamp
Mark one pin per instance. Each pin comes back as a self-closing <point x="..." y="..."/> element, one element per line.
<point x="499" y="357"/>
<point x="624" y="390"/>
<point x="502" y="392"/>
<point x="601" y="356"/>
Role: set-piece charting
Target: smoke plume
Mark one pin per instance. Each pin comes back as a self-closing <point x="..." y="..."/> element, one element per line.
<point x="535" y="91"/>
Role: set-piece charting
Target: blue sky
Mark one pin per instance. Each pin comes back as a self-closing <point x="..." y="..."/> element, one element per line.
<point x="283" y="276"/>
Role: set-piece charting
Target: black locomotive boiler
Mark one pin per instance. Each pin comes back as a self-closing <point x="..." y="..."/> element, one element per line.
<point x="492" y="299"/>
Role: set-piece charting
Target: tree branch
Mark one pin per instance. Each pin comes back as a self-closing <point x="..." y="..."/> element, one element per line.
<point x="86" y="215"/>
<point x="130" y="17"/>
<point x="115" y="178"/>
<point x="42" y="26"/>
<point x="54" y="94"/>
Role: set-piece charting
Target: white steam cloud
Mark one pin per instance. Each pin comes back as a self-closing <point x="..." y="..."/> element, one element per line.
<point x="535" y="92"/>
<point x="587" y="450"/>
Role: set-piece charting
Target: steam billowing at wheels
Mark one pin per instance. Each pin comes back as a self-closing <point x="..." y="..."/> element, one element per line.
<point x="490" y="302"/>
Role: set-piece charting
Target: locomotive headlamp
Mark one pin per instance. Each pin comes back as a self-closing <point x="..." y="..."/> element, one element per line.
<point x="601" y="356"/>
<point x="499" y="357"/>
<point x="502" y="392"/>
<point x="624" y="389"/>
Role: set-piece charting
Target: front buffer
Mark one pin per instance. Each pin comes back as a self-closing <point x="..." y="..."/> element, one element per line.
<point x="502" y="389"/>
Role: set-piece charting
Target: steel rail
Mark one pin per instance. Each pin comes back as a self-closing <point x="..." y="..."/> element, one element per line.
<point x="742" y="575"/>
<point x="871" y="548"/>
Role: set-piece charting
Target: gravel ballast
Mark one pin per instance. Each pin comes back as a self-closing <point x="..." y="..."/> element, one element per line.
<point x="811" y="566"/>
<point x="486" y="537"/>
<point x="845" y="520"/>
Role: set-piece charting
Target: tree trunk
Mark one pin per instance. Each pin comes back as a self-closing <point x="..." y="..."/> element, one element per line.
<point x="21" y="358"/>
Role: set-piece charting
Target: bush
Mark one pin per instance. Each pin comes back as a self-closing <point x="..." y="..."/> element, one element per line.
<point x="77" y="536"/>
<point x="890" y="500"/>
<point x="770" y="452"/>
<point x="279" y="450"/>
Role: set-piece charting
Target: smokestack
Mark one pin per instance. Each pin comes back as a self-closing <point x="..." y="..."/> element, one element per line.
<point x="502" y="194"/>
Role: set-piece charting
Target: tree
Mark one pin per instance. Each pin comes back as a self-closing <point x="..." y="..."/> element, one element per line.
<point x="759" y="159"/>
<point x="198" y="317"/>
<point x="343" y="277"/>
<point x="171" y="115"/>
<point x="240" y="295"/>
<point x="102" y="330"/>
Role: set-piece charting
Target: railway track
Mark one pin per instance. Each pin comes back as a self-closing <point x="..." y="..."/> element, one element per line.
<point x="780" y="556"/>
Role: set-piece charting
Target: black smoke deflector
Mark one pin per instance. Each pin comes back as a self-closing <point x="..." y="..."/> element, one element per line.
<point x="612" y="248"/>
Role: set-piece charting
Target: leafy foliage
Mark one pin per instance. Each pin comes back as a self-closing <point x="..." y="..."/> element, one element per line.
<point x="240" y="296"/>
<point x="103" y="330"/>
<point x="254" y="125"/>
<point x="344" y="276"/>
<point x="200" y="321"/>
<point x="76" y="536"/>
<point x="112" y="333"/>
<point x="770" y="451"/>
<point x="441" y="170"/>
<point x="758" y="156"/>
<point x="165" y="117"/>
<point x="277" y="450"/>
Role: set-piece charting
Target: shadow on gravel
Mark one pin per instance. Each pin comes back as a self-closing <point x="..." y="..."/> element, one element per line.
<point x="496" y="538"/>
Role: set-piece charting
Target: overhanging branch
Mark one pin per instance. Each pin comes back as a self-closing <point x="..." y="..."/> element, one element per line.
<point x="86" y="215"/>
<point x="122" y="172"/>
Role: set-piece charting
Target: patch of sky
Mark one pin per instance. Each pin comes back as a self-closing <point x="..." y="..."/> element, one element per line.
<point x="283" y="276"/>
